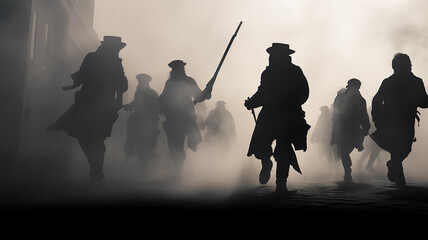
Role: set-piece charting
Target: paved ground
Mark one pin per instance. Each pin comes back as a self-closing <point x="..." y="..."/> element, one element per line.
<point x="367" y="195"/>
<point x="374" y="198"/>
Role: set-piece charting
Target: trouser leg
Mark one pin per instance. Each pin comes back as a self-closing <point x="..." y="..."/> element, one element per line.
<point x="263" y="151"/>
<point x="395" y="165"/>
<point x="282" y="171"/>
<point x="373" y="156"/>
<point x="94" y="150"/>
<point x="177" y="152"/>
<point x="264" y="175"/>
<point x="344" y="152"/>
<point x="284" y="155"/>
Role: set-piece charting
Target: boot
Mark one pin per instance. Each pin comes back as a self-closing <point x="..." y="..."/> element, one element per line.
<point x="400" y="180"/>
<point x="282" y="170"/>
<point x="392" y="173"/>
<point x="264" y="175"/>
<point x="348" y="176"/>
<point x="96" y="172"/>
<point x="281" y="186"/>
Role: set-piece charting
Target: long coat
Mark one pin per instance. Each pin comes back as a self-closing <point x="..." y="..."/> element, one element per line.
<point x="350" y="119"/>
<point x="95" y="110"/>
<point x="143" y="123"/>
<point x="220" y="127"/>
<point x="281" y="93"/>
<point x="176" y="104"/>
<point x="394" y="109"/>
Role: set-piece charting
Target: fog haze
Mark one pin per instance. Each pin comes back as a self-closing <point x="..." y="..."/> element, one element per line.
<point x="334" y="40"/>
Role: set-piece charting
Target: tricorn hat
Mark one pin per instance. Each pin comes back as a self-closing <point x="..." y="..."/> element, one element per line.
<point x="354" y="83"/>
<point x="144" y="77"/>
<point x="113" y="41"/>
<point x="220" y="103"/>
<point x="176" y="64"/>
<point x="324" y="108"/>
<point x="280" y="48"/>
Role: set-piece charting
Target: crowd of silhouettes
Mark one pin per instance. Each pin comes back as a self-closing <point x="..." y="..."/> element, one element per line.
<point x="282" y="91"/>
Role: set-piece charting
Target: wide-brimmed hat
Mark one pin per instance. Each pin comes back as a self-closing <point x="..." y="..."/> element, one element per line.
<point x="144" y="77"/>
<point x="324" y="108"/>
<point x="354" y="83"/>
<point x="280" y="48"/>
<point x="176" y="64"/>
<point x="220" y="103"/>
<point x="113" y="41"/>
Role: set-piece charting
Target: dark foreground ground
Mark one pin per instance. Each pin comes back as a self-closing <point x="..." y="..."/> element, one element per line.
<point x="378" y="199"/>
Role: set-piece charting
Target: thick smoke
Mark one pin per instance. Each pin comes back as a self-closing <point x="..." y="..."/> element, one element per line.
<point x="334" y="41"/>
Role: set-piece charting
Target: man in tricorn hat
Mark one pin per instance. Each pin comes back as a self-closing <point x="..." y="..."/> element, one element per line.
<point x="220" y="128"/>
<point x="96" y="105"/>
<point x="176" y="103"/>
<point x="350" y="124"/>
<point x="282" y="91"/>
<point x="142" y="129"/>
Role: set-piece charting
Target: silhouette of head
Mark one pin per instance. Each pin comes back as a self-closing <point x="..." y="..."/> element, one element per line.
<point x="401" y="63"/>
<point x="143" y="78"/>
<point x="220" y="104"/>
<point x="177" y="68"/>
<point x="279" y="54"/>
<point x="324" y="108"/>
<point x="281" y="48"/>
<point x="353" y="84"/>
<point x="112" y="44"/>
<point x="177" y="64"/>
<point x="113" y="41"/>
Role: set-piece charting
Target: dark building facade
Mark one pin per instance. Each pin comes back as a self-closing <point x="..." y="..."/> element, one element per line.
<point x="43" y="43"/>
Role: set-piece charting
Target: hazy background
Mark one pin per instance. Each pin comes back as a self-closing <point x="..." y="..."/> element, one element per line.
<point x="334" y="40"/>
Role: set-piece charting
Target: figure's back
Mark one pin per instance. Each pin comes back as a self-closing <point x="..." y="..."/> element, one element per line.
<point x="176" y="98"/>
<point x="402" y="94"/>
<point x="102" y="78"/>
<point x="146" y="102"/>
<point x="286" y="88"/>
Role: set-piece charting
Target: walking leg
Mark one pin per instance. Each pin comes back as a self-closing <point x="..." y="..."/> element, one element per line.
<point x="346" y="161"/>
<point x="264" y="175"/>
<point x="282" y="171"/>
<point x="94" y="150"/>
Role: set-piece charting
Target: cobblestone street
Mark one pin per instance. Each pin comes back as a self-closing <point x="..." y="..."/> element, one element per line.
<point x="327" y="197"/>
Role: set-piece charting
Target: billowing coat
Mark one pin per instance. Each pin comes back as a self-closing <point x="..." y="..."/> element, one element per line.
<point x="394" y="109"/>
<point x="176" y="104"/>
<point x="281" y="93"/>
<point x="350" y="119"/>
<point x="143" y="123"/>
<point x="220" y="127"/>
<point x="95" y="109"/>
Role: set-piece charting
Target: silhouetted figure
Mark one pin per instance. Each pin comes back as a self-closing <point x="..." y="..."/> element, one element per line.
<point x="322" y="135"/>
<point x="96" y="105"/>
<point x="176" y="103"/>
<point x="201" y="115"/>
<point x="220" y="127"/>
<point x="142" y="129"/>
<point x="394" y="109"/>
<point x="371" y="149"/>
<point x="350" y="123"/>
<point x="282" y="91"/>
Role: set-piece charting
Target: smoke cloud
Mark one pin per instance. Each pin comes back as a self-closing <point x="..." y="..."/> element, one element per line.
<point x="334" y="40"/>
